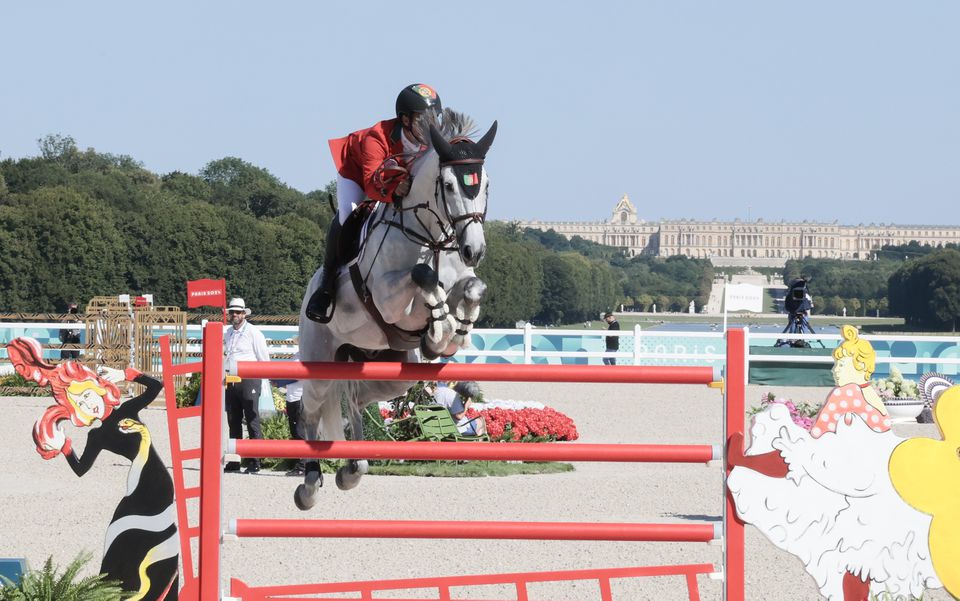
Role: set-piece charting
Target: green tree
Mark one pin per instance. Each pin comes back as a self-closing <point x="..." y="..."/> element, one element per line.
<point x="565" y="279"/>
<point x="513" y="273"/>
<point x="926" y="291"/>
<point x="833" y="306"/>
<point x="57" y="147"/>
<point x="70" y="244"/>
<point x="645" y="301"/>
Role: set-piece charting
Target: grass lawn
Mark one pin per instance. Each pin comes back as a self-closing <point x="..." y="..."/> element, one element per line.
<point x="468" y="469"/>
<point x="440" y="469"/>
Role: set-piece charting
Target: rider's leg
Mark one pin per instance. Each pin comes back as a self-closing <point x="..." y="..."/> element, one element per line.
<point x="321" y="305"/>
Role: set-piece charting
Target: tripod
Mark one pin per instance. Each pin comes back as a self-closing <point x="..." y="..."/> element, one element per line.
<point x="797" y="324"/>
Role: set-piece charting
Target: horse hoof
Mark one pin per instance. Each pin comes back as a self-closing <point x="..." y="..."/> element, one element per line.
<point x="426" y="352"/>
<point x="347" y="479"/>
<point x="303" y="499"/>
<point x="424" y="276"/>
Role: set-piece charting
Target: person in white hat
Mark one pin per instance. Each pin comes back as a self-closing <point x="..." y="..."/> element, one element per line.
<point x="243" y="342"/>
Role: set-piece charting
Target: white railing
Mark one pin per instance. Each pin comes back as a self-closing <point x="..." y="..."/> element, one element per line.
<point x="640" y="345"/>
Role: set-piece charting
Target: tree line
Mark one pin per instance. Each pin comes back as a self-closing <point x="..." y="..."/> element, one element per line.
<point x="80" y="223"/>
<point x="916" y="282"/>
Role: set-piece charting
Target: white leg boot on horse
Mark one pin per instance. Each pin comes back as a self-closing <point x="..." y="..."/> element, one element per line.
<point x="411" y="288"/>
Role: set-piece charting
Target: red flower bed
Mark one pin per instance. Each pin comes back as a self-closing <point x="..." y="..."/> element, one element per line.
<point x="522" y="425"/>
<point x="527" y="425"/>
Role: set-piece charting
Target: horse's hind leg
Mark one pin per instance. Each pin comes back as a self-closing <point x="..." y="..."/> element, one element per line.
<point x="349" y="474"/>
<point x="317" y="410"/>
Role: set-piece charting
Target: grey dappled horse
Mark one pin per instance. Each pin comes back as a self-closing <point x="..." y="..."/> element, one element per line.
<point x="418" y="296"/>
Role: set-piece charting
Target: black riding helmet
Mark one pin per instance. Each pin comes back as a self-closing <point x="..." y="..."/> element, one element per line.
<point x="418" y="98"/>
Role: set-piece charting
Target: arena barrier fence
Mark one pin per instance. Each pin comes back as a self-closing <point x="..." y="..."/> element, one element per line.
<point x="202" y="580"/>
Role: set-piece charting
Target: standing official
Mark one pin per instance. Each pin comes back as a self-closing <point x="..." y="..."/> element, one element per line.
<point x="243" y="342"/>
<point x="613" y="342"/>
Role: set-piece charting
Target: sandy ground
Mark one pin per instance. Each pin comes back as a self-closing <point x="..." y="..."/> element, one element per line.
<point x="49" y="511"/>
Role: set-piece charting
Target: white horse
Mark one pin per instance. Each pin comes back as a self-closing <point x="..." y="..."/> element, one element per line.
<point x="396" y="297"/>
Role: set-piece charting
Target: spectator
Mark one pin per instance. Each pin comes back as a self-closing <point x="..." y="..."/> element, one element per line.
<point x="71" y="335"/>
<point x="458" y="401"/>
<point x="294" y="394"/>
<point x="613" y="342"/>
<point x="243" y="342"/>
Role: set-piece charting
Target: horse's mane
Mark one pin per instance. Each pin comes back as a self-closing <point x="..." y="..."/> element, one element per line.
<point x="456" y="125"/>
<point x="452" y="124"/>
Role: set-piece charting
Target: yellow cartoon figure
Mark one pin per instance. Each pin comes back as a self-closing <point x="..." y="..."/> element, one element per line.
<point x="926" y="473"/>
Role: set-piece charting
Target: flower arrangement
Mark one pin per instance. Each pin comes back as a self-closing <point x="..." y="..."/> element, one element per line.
<point x="896" y="386"/>
<point x="527" y="425"/>
<point x="803" y="413"/>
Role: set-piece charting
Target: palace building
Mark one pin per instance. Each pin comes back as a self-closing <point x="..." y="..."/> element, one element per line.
<point x="745" y="242"/>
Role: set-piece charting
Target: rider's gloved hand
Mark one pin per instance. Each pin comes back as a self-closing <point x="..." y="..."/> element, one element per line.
<point x="402" y="189"/>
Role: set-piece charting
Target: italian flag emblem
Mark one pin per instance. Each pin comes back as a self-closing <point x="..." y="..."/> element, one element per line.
<point x="471" y="179"/>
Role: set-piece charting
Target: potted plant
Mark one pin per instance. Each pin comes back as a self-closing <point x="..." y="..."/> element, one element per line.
<point x="49" y="583"/>
<point x="900" y="395"/>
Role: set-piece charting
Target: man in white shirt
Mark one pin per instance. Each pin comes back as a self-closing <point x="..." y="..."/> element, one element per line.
<point x="243" y="342"/>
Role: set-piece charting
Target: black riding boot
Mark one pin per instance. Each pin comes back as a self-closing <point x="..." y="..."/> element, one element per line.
<point x="322" y="303"/>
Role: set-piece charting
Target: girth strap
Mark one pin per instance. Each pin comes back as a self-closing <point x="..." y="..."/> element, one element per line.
<point x="398" y="338"/>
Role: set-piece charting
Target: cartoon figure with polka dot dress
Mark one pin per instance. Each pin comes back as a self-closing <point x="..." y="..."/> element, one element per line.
<point x="854" y="362"/>
<point x="827" y="496"/>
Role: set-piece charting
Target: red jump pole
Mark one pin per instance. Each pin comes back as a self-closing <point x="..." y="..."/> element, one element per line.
<point x="210" y="461"/>
<point x="624" y="374"/>
<point x="688" y="533"/>
<point x="734" y="410"/>
<point x="506" y="451"/>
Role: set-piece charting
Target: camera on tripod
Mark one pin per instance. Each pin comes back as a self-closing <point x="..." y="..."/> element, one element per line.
<point x="797" y="304"/>
<point x="798" y="299"/>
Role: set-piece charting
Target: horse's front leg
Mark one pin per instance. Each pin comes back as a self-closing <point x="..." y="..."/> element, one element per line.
<point x="465" y="296"/>
<point x="396" y="292"/>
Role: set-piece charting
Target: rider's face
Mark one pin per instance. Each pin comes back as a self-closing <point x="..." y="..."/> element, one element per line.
<point x="413" y="127"/>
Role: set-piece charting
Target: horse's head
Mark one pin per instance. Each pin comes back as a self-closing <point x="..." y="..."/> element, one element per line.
<point x="462" y="186"/>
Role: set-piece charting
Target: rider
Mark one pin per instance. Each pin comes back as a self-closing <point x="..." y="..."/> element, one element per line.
<point x="372" y="164"/>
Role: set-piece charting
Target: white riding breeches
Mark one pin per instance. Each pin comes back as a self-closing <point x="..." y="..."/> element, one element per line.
<point x="349" y="196"/>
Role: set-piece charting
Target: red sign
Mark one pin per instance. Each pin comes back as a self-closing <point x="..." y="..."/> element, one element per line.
<point x="206" y="293"/>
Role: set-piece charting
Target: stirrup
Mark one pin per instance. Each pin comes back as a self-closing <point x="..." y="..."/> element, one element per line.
<point x="321" y="305"/>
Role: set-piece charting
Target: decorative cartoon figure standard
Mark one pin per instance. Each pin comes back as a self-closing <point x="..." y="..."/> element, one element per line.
<point x="142" y="547"/>
<point x="827" y="496"/>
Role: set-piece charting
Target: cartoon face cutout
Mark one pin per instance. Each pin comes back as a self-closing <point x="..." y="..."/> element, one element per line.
<point x="88" y="404"/>
<point x="845" y="372"/>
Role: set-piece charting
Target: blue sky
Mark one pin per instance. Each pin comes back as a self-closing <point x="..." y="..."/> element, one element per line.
<point x="845" y="111"/>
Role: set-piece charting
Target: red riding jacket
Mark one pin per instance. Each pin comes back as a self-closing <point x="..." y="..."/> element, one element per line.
<point x="360" y="157"/>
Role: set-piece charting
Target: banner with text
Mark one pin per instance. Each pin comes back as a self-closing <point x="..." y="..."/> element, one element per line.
<point x="743" y="297"/>
<point x="206" y="293"/>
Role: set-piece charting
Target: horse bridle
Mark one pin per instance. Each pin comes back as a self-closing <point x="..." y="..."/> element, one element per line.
<point x="447" y="241"/>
